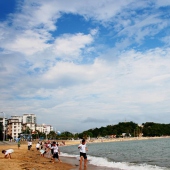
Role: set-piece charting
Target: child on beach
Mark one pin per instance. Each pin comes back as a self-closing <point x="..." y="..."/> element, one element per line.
<point x="83" y="155"/>
<point x="56" y="152"/>
<point x="38" y="146"/>
<point x="29" y="145"/>
<point x="7" y="153"/>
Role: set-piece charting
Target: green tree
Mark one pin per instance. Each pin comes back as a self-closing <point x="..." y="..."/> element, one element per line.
<point x="52" y="135"/>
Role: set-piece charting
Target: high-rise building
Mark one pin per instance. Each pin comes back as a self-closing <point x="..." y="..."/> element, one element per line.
<point x="14" y="127"/>
<point x="29" y="120"/>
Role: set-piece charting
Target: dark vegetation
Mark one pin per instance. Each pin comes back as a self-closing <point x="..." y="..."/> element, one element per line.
<point x="122" y="129"/>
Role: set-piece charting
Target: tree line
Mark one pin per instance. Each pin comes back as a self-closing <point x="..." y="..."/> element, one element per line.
<point x="129" y="129"/>
<point x="122" y="129"/>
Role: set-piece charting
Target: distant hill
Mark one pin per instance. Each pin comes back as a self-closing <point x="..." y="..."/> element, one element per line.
<point x="128" y="129"/>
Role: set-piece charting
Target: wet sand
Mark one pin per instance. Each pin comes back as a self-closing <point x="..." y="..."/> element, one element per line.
<point x="75" y="163"/>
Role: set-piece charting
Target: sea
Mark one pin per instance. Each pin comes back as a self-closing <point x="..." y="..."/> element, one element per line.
<point x="151" y="154"/>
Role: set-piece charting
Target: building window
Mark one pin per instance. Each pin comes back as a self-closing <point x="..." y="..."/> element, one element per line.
<point x="29" y="119"/>
<point x="34" y="119"/>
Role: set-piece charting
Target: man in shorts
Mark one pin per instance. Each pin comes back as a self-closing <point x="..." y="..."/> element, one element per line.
<point x="83" y="155"/>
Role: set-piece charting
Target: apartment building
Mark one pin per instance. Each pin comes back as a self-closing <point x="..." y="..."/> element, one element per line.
<point x="29" y="120"/>
<point x="14" y="127"/>
<point x="16" y="124"/>
<point x="44" y="128"/>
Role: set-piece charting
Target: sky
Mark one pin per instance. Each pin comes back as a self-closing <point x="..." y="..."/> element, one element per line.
<point x="84" y="64"/>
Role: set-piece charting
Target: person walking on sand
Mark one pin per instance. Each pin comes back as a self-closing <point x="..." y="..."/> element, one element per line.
<point x="83" y="149"/>
<point x="56" y="152"/>
<point x="38" y="146"/>
<point x="29" y="145"/>
<point x="7" y="153"/>
<point x="19" y="144"/>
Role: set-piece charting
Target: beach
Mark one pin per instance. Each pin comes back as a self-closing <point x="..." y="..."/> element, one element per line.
<point x="24" y="159"/>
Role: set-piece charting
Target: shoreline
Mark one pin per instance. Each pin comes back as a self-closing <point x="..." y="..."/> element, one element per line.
<point x="124" y="139"/>
<point x="75" y="163"/>
<point x="23" y="159"/>
<point x="31" y="160"/>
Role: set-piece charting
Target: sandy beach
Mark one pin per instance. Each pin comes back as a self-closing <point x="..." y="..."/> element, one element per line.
<point x="24" y="159"/>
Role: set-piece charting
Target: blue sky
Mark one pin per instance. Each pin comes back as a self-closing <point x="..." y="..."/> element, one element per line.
<point x="84" y="64"/>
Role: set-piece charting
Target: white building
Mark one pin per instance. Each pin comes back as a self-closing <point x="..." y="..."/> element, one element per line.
<point x="30" y="121"/>
<point x="4" y="122"/>
<point x="14" y="127"/>
<point x="20" y="118"/>
<point x="44" y="128"/>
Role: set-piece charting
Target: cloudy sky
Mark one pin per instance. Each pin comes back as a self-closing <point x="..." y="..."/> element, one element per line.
<point x="84" y="64"/>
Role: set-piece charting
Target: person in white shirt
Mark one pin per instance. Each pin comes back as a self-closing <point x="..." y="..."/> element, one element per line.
<point x="29" y="145"/>
<point x="83" y="149"/>
<point x="56" y="152"/>
<point x="38" y="146"/>
<point x="7" y="153"/>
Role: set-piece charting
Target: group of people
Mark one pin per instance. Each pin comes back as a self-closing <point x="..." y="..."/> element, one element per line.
<point x="51" y="150"/>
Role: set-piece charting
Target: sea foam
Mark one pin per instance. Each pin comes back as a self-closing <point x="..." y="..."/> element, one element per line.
<point x="103" y="162"/>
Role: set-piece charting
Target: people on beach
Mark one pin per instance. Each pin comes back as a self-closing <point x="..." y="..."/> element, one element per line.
<point x="48" y="149"/>
<point x="43" y="149"/>
<point x="19" y="144"/>
<point x="29" y="145"/>
<point x="83" y="148"/>
<point x="7" y="153"/>
<point x="56" y="152"/>
<point x="38" y="146"/>
<point x="41" y="145"/>
<point x="52" y="150"/>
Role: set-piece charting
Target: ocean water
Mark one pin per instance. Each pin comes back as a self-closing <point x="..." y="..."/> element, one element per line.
<point x="152" y="154"/>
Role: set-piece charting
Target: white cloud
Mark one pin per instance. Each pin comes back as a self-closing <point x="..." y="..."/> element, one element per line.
<point x="46" y="74"/>
<point x="68" y="47"/>
<point x="161" y="3"/>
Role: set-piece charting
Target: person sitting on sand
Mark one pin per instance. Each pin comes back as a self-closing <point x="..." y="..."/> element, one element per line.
<point x="56" y="152"/>
<point x="83" y="155"/>
<point x="7" y="153"/>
